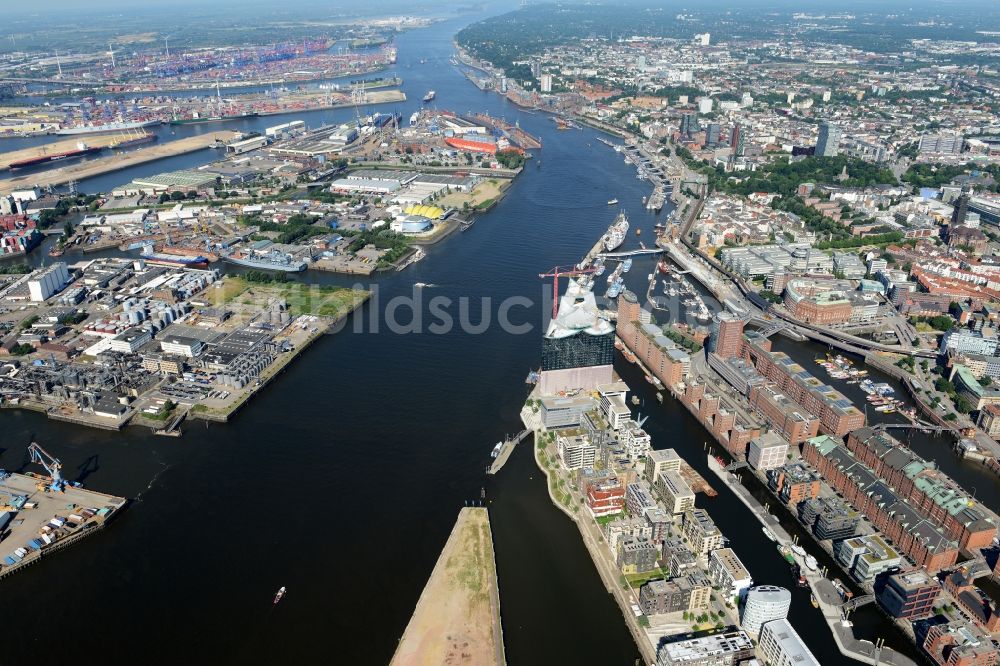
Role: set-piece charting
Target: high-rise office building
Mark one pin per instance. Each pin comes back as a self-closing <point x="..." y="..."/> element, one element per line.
<point x="726" y="336"/>
<point x="689" y="125"/>
<point x="712" y="134"/>
<point x="961" y="208"/>
<point x="736" y="140"/>
<point x="829" y="140"/>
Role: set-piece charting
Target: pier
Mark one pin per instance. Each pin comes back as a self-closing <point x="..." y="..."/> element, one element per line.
<point x="48" y="520"/>
<point x="506" y="449"/>
<point x="112" y="163"/>
<point x="457" y="618"/>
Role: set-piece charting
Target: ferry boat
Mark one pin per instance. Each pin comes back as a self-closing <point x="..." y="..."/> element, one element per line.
<point x="496" y="450"/>
<point x="769" y="534"/>
<point x="280" y="595"/>
<point x="612" y="202"/>
<point x="429" y="96"/>
<point x="786" y="553"/>
<point x="616" y="233"/>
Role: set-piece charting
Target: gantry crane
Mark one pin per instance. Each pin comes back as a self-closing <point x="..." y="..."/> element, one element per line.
<point x="562" y="271"/>
<point x="51" y="465"/>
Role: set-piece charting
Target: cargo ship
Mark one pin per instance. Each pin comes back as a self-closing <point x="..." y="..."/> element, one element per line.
<point x="106" y="128"/>
<point x="616" y="233"/>
<point x="486" y="147"/>
<point x="82" y="150"/>
<point x="129" y="140"/>
<point x="150" y="256"/>
<point x="429" y="96"/>
<point x="212" y="119"/>
<point x="267" y="261"/>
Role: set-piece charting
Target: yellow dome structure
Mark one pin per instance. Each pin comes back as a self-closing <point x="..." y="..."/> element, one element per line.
<point x="425" y="210"/>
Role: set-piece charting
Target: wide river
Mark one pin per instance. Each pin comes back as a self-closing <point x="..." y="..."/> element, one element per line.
<point x="342" y="479"/>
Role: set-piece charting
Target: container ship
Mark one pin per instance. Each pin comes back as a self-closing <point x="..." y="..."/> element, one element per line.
<point x="82" y="150"/>
<point x="106" y="128"/>
<point x="270" y="261"/>
<point x="212" y="119"/>
<point x="616" y="233"/>
<point x="430" y="96"/>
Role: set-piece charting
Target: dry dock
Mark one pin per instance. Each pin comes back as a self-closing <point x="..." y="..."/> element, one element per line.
<point x="103" y="165"/>
<point x="41" y="522"/>
<point x="457" y="619"/>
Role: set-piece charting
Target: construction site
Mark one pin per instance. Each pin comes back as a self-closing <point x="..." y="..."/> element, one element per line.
<point x="43" y="513"/>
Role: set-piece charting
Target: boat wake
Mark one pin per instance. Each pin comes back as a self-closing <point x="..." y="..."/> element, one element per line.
<point x="149" y="486"/>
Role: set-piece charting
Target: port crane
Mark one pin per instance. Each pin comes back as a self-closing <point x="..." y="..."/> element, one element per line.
<point x="51" y="465"/>
<point x="558" y="272"/>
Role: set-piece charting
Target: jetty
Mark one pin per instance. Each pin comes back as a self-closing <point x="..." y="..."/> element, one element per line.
<point x="506" y="449"/>
<point x="457" y="618"/>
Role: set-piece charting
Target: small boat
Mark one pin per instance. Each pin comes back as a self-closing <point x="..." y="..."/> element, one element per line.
<point x="811" y="563"/>
<point x="769" y="534"/>
<point x="635" y="400"/>
<point x="802" y="582"/>
<point x="496" y="450"/>
<point x="612" y="202"/>
<point x="629" y="356"/>
<point x="813" y="601"/>
<point x="280" y="595"/>
<point x="798" y="550"/>
<point x="627" y="265"/>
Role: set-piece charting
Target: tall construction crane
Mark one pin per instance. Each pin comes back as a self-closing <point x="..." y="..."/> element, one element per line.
<point x="51" y="465"/>
<point x="562" y="271"/>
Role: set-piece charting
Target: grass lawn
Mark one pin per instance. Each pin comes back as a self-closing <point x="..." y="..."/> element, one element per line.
<point x="322" y="300"/>
<point x="485" y="191"/>
<point x="604" y="520"/>
<point x="638" y="580"/>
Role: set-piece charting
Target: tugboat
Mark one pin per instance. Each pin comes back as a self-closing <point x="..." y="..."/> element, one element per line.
<point x="280" y="595"/>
